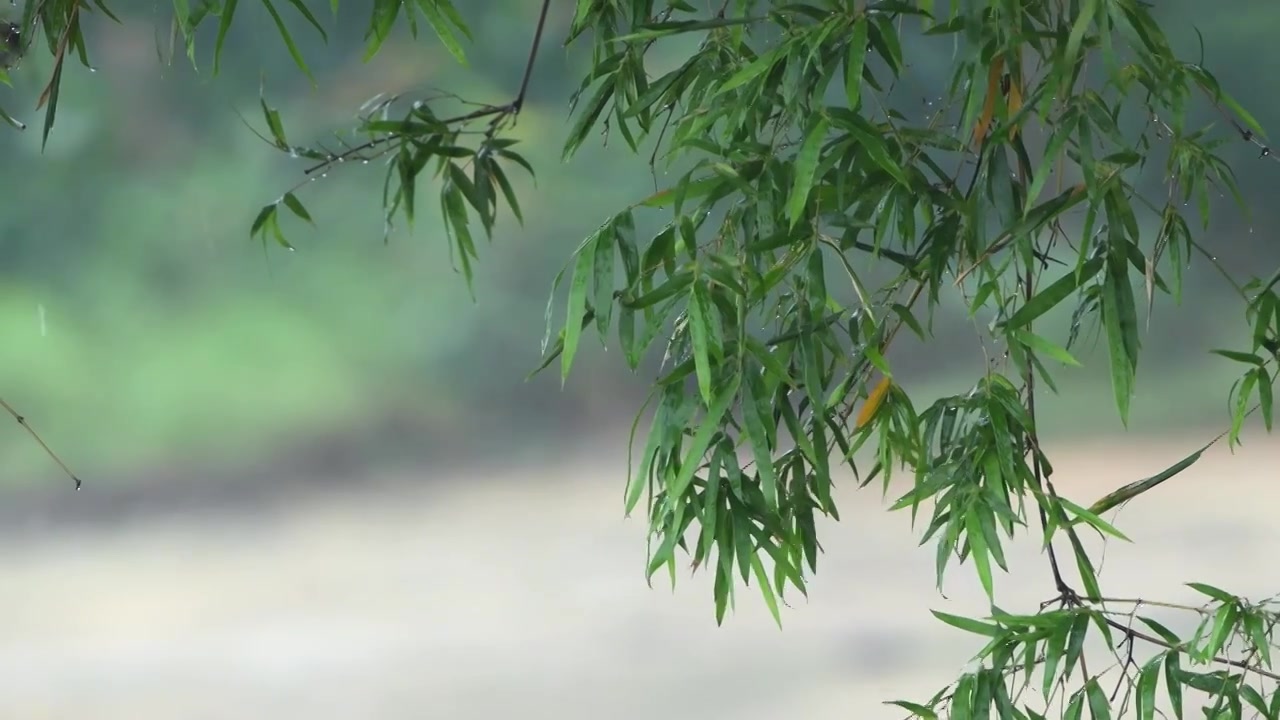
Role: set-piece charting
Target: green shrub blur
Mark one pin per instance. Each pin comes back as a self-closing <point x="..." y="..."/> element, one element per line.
<point x="143" y="329"/>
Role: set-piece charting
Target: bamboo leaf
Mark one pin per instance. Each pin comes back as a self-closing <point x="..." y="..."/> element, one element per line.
<point x="1134" y="489"/>
<point x="1121" y="324"/>
<point x="289" y="44"/>
<point x="1048" y="298"/>
<point x="874" y="400"/>
<point x="577" y="306"/>
<point x="699" y="330"/>
<point x="806" y="165"/>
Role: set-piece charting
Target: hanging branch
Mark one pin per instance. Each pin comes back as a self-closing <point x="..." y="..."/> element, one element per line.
<point x="497" y="113"/>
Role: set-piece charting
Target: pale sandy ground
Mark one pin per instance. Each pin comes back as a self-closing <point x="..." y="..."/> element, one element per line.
<point x="521" y="596"/>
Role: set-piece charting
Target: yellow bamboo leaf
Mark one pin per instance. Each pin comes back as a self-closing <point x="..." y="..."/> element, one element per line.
<point x="994" y="73"/>
<point x="1014" y="102"/>
<point x="873" y="403"/>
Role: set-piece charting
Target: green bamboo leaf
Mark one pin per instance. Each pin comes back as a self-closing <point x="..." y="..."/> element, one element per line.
<point x="916" y="709"/>
<point x="1255" y="700"/>
<point x="655" y="30"/>
<point x="1240" y="357"/>
<point x="273" y="226"/>
<point x="274" y="124"/>
<point x="980" y="552"/>
<point x="968" y="624"/>
<point x="553" y="351"/>
<point x="1121" y="323"/>
<point x="1136" y="488"/>
<point x="962" y="700"/>
<point x="806" y="164"/>
<point x="582" y="272"/>
<point x="1054" y="648"/>
<point x="1078" y="29"/>
<point x="721" y="455"/>
<point x="1099" y="707"/>
<point x="1266" y="399"/>
<point x="302" y="9"/>
<point x="1165" y="633"/>
<point x="13" y="122"/>
<point x="752" y="405"/>
<point x="1224" y="624"/>
<point x="1084" y="565"/>
<point x="260" y="221"/>
<point x="1173" y="681"/>
<point x="702" y="439"/>
<point x="876" y="149"/>
<point x="380" y="25"/>
<point x="50" y="98"/>
<point x="1061" y="134"/>
<point x="587" y="117"/>
<point x="1048" y="298"/>
<point x="224" y="26"/>
<point x="457" y="225"/>
<point x="1239" y="111"/>
<point x="770" y="362"/>
<point x="763" y="581"/>
<point x="289" y="44"/>
<point x="637" y="481"/>
<point x="751" y="71"/>
<point x="1075" y="642"/>
<point x="1216" y="593"/>
<point x="855" y="61"/>
<point x="603" y="281"/>
<point x="500" y="177"/>
<point x="1093" y="520"/>
<point x="1041" y="345"/>
<point x="699" y="332"/>
<point x="295" y="206"/>
<point x="435" y="11"/>
<point x="673" y="286"/>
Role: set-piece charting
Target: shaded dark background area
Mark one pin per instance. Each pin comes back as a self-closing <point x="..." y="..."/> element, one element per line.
<point x="309" y="470"/>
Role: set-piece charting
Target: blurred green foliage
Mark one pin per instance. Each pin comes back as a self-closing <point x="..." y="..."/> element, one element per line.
<point x="143" y="329"/>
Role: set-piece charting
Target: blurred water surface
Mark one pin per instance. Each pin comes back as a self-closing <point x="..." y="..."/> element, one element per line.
<point x="491" y="594"/>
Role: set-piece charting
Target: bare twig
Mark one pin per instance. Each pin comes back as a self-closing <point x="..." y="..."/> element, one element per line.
<point x="48" y="451"/>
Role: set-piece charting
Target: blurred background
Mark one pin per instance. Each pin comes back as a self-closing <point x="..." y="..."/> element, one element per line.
<point x="317" y="483"/>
